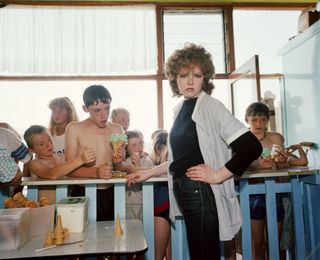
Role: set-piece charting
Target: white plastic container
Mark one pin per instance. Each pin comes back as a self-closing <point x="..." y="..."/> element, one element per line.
<point x="74" y="213"/>
<point x="14" y="228"/>
<point x="41" y="220"/>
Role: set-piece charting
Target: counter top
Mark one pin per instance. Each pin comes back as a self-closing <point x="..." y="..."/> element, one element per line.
<point x="98" y="238"/>
<point x="31" y="181"/>
<point x="301" y="170"/>
<point x="34" y="181"/>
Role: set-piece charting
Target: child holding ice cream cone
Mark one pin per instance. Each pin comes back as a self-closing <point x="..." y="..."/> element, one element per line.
<point x="273" y="156"/>
<point x="134" y="154"/>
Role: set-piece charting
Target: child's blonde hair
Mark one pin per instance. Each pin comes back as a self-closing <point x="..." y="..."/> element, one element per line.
<point x="62" y="102"/>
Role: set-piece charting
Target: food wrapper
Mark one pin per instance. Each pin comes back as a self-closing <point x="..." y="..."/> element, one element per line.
<point x="275" y="150"/>
<point x="118" y="174"/>
<point x="118" y="143"/>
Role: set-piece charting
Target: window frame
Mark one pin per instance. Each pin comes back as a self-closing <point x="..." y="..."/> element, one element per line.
<point x="159" y="8"/>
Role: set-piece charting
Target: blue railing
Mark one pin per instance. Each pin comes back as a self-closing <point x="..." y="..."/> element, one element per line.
<point x="305" y="222"/>
<point x="296" y="186"/>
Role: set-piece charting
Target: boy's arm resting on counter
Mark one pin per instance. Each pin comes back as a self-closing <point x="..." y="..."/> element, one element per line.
<point x="292" y="159"/>
<point x="101" y="172"/>
<point x="42" y="170"/>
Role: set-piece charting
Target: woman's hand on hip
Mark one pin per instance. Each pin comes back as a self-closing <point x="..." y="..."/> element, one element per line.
<point x="204" y="173"/>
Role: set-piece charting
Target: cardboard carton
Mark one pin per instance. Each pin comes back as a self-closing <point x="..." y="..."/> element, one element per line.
<point x="307" y="17"/>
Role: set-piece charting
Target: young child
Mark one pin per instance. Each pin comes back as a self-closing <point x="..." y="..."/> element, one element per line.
<point x="121" y="116"/>
<point x="62" y="113"/>
<point x="273" y="156"/>
<point x="135" y="158"/>
<point x="95" y="132"/>
<point x="162" y="222"/>
<point x="46" y="163"/>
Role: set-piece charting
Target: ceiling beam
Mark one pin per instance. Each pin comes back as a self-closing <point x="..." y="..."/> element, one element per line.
<point x="279" y="3"/>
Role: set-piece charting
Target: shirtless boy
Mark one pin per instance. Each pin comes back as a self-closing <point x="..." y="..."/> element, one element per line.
<point x="94" y="132"/>
<point x="46" y="163"/>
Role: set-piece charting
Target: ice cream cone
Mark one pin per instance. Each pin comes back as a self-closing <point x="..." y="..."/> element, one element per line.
<point x="44" y="202"/>
<point x="49" y="240"/>
<point x="117" y="228"/>
<point x="10" y="203"/>
<point x="118" y="142"/>
<point x="58" y="232"/>
<point x="20" y="199"/>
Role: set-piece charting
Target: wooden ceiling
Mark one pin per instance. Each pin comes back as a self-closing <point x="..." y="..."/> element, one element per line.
<point x="121" y="2"/>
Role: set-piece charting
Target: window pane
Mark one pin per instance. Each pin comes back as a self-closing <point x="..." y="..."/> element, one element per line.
<point x="201" y="27"/>
<point x="83" y="40"/>
<point x="33" y="97"/>
<point x="263" y="33"/>
<point x="271" y="88"/>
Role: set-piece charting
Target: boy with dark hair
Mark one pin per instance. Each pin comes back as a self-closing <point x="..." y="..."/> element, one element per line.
<point x="94" y="132"/>
<point x="273" y="156"/>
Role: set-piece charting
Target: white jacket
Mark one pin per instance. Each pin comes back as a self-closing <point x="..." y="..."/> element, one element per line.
<point x="216" y="129"/>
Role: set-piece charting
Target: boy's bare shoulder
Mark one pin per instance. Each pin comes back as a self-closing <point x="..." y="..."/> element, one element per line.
<point x="74" y="126"/>
<point x="276" y="137"/>
<point x="115" y="128"/>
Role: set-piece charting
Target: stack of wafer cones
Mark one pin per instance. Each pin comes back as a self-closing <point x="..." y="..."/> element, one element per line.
<point x="58" y="236"/>
<point x="20" y="201"/>
<point x="58" y="232"/>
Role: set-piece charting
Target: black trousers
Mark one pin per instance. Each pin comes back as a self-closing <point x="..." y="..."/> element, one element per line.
<point x="197" y="203"/>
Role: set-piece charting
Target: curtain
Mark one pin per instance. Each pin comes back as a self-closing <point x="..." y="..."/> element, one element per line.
<point x="77" y="40"/>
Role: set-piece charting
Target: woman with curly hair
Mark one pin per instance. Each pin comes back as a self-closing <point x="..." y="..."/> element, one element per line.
<point x="207" y="147"/>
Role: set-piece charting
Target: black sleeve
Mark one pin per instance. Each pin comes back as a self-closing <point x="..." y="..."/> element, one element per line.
<point x="245" y="149"/>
